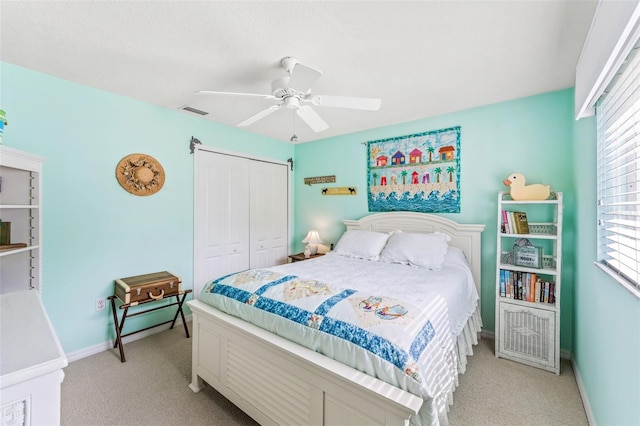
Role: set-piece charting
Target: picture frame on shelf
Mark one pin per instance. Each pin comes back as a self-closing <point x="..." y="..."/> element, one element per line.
<point x="529" y="256"/>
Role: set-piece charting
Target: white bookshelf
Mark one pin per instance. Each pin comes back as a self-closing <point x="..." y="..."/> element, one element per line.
<point x="528" y="330"/>
<point x="32" y="357"/>
<point x="20" y="191"/>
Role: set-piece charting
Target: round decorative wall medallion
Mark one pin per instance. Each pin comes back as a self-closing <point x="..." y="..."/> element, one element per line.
<point x="140" y="174"/>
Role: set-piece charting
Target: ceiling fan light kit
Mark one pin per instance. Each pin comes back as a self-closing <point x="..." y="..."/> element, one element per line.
<point x="295" y="89"/>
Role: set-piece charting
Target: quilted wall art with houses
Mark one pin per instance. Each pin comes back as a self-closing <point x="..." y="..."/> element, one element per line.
<point x="419" y="172"/>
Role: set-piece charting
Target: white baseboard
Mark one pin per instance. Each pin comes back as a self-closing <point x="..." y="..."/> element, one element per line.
<point x="105" y="346"/>
<point x="583" y="393"/>
<point x="488" y="334"/>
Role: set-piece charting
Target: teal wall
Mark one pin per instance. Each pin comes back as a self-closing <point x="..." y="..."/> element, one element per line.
<point x="532" y="136"/>
<point x="606" y="342"/>
<point x="93" y="230"/>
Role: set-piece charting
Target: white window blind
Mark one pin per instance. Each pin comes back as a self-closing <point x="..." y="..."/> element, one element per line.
<point x="618" y="174"/>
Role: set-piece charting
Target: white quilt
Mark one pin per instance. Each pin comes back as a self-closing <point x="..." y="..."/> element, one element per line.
<point x="454" y="281"/>
<point x="395" y="322"/>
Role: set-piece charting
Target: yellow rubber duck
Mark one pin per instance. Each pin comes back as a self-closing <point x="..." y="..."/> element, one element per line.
<point x="520" y="191"/>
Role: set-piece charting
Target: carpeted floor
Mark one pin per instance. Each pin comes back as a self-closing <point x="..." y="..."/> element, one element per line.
<point x="151" y="388"/>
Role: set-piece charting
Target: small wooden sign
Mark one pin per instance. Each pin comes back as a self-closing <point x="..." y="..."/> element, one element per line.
<point x="340" y="190"/>
<point x="319" y="179"/>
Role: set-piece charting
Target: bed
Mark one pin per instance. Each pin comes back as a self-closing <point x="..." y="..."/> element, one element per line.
<point x="277" y="381"/>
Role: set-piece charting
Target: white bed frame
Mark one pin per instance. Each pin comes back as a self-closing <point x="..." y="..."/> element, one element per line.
<point x="278" y="382"/>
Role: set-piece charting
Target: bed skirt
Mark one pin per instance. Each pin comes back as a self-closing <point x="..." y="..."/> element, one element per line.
<point x="464" y="348"/>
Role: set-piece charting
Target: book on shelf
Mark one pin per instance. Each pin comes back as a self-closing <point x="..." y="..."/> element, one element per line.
<point x="5" y="233"/>
<point x="514" y="222"/>
<point x="505" y="223"/>
<point x="526" y="286"/>
<point x="521" y="223"/>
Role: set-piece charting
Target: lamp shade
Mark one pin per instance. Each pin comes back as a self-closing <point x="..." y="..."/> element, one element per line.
<point x="312" y="238"/>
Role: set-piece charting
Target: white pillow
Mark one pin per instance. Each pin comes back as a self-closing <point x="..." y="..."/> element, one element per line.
<point x="424" y="250"/>
<point x="361" y="244"/>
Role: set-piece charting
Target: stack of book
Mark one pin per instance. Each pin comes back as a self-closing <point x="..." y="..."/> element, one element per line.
<point x="5" y="233"/>
<point x="514" y="222"/>
<point x="526" y="286"/>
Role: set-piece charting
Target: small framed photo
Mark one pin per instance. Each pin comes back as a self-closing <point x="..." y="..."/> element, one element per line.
<point x="529" y="256"/>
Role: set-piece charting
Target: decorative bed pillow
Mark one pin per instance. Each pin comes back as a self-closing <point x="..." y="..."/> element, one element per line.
<point x="361" y="244"/>
<point x="424" y="250"/>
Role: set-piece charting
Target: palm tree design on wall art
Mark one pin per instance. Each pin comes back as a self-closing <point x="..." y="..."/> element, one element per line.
<point x="438" y="172"/>
<point x="450" y="171"/>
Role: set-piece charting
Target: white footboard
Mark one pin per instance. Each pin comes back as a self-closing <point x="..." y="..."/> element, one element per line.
<point x="278" y="382"/>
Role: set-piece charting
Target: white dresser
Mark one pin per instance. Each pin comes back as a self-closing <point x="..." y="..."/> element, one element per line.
<point x="31" y="362"/>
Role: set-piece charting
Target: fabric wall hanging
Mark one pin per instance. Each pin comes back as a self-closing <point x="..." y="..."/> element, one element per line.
<point x="140" y="174"/>
<point x="419" y="172"/>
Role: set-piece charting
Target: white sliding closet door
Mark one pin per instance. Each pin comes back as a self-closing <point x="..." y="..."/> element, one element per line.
<point x="221" y="216"/>
<point x="241" y="215"/>
<point x="268" y="214"/>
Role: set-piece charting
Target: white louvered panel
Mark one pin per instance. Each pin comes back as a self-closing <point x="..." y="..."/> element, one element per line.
<point x="279" y="394"/>
<point x="528" y="333"/>
<point x="15" y="414"/>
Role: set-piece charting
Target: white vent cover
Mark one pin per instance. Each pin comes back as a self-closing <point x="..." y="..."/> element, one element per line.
<point x="193" y="110"/>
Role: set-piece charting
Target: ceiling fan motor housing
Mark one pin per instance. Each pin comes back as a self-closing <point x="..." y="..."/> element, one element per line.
<point x="292" y="102"/>
<point x="280" y="88"/>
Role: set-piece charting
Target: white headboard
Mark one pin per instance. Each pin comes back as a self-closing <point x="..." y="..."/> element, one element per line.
<point x="463" y="236"/>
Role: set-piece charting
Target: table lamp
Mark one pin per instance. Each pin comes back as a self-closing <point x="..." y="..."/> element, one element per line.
<point x="312" y="239"/>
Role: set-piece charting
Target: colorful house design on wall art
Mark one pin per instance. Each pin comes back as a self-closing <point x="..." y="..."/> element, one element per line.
<point x="419" y="173"/>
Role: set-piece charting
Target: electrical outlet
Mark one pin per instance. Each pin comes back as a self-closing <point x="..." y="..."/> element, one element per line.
<point x="101" y="303"/>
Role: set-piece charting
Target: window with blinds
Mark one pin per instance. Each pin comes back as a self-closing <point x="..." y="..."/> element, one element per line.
<point x="618" y="174"/>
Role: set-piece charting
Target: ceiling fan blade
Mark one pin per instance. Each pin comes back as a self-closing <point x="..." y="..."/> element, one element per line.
<point x="251" y="95"/>
<point x="259" y="115"/>
<point x="370" y="104"/>
<point x="303" y="77"/>
<point x="313" y="120"/>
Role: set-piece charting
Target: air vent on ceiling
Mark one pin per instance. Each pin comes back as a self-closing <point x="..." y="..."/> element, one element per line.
<point x="193" y="110"/>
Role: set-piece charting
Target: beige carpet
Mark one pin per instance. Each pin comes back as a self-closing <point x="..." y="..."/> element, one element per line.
<point x="151" y="388"/>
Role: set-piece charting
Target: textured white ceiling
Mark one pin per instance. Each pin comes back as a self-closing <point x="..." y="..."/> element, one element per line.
<point x="421" y="58"/>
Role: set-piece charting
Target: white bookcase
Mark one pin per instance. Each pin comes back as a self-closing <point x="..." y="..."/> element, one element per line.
<point x="20" y="189"/>
<point x="32" y="357"/>
<point x="528" y="329"/>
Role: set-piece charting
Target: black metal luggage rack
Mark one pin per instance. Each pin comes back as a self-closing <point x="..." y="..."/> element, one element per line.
<point x="119" y="325"/>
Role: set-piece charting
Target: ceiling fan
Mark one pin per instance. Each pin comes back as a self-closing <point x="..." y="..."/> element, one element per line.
<point x="294" y="91"/>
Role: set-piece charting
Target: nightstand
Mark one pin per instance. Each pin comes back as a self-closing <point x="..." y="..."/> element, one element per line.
<point x="300" y="257"/>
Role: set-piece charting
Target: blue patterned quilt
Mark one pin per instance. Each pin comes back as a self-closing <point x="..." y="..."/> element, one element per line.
<point x="374" y="333"/>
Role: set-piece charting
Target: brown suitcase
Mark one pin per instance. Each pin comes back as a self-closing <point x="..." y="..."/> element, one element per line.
<point x="155" y="286"/>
